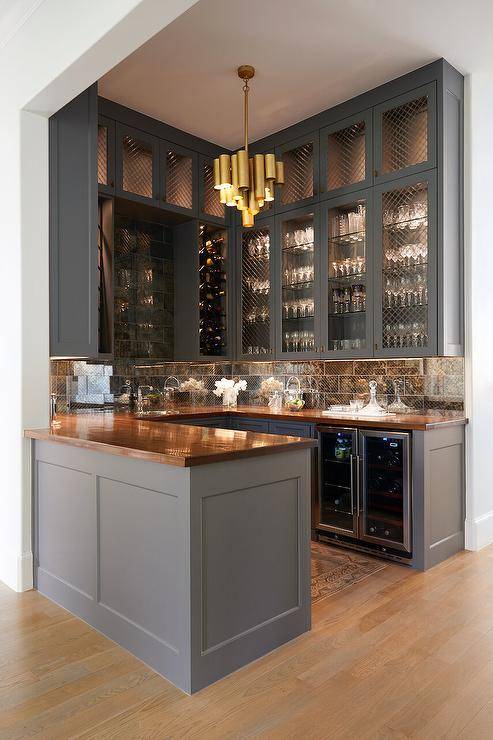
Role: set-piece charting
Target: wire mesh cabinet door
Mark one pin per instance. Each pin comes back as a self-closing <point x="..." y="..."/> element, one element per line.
<point x="405" y="134"/>
<point x="301" y="163"/>
<point x="254" y="248"/>
<point x="106" y="155"/>
<point x="178" y="179"/>
<point x="346" y="276"/>
<point x="137" y="165"/>
<point x="346" y="155"/>
<point x="406" y="281"/>
<point x="210" y="207"/>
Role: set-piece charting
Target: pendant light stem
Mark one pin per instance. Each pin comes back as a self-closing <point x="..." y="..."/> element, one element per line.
<point x="245" y="113"/>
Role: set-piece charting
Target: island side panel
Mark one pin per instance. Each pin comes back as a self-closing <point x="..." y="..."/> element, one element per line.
<point x="112" y="547"/>
<point x="250" y="556"/>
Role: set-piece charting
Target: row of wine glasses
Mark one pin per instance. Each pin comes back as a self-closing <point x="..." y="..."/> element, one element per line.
<point x="400" y="334"/>
<point x="299" y="341"/>
<point x="301" y="308"/>
<point x="406" y="255"/>
<point x="259" y="246"/>
<point x="299" y="239"/>
<point x="349" y="224"/>
<point x="349" y="299"/>
<point x="411" y="215"/>
<point x="346" y="344"/>
<point x="344" y="268"/>
<point x="298" y="275"/>
<point x="405" y="290"/>
<point x="257" y="316"/>
<point x="257" y="350"/>
<point x="257" y="286"/>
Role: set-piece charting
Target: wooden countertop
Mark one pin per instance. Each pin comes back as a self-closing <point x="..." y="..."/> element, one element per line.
<point x="172" y="444"/>
<point x="417" y="422"/>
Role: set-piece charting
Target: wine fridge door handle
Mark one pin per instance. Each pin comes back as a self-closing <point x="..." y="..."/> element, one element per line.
<point x="351" y="472"/>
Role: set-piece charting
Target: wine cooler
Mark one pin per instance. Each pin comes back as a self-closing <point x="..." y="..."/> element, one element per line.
<point x="365" y="490"/>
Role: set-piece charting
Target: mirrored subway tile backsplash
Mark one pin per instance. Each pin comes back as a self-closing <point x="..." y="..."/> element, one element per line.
<point x="433" y="384"/>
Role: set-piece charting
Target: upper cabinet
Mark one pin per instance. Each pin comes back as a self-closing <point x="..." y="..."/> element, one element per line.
<point x="178" y="178"/>
<point x="210" y="207"/>
<point x="405" y="134"/>
<point x="106" y="155"/>
<point x="137" y="165"/>
<point x="74" y="283"/>
<point x="301" y="173"/>
<point x="346" y="155"/>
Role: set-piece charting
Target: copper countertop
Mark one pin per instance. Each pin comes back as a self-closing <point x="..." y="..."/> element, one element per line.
<point x="417" y="422"/>
<point x="173" y="444"/>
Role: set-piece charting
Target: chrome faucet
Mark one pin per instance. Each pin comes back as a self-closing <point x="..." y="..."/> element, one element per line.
<point x="168" y="389"/>
<point x="140" y="398"/>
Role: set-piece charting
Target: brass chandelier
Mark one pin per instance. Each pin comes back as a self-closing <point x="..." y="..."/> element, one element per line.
<point x="244" y="182"/>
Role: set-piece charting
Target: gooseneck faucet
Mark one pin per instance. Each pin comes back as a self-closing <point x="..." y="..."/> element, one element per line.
<point x="140" y="399"/>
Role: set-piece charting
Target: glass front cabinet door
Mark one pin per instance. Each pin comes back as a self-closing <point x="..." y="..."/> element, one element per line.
<point x="301" y="164"/>
<point x="178" y="178"/>
<point x="338" y="485"/>
<point x="255" y="298"/>
<point x="385" y="497"/>
<point x="406" y="269"/>
<point x="137" y="165"/>
<point x="298" y="280"/>
<point x="214" y="268"/>
<point x="405" y="134"/>
<point x="210" y="206"/>
<point x="106" y="155"/>
<point x="347" y="276"/>
<point x="346" y="155"/>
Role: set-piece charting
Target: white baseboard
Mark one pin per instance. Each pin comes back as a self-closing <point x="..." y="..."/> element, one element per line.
<point x="16" y="571"/>
<point x="479" y="531"/>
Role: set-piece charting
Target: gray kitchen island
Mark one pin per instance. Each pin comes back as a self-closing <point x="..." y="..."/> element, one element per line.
<point x="188" y="546"/>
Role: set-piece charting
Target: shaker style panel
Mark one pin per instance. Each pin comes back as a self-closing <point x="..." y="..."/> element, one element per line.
<point x="346" y="155"/>
<point x="178" y="179"/>
<point x="254" y="248"/>
<point x="106" y="155"/>
<point x="301" y="173"/>
<point x="137" y="165"/>
<point x="73" y="163"/>
<point x="297" y="295"/>
<point x="347" y="276"/>
<point x="405" y="134"/>
<point x="406" y="267"/>
<point x="210" y="207"/>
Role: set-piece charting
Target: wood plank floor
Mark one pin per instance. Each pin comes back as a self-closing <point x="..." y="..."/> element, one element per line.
<point x="398" y="655"/>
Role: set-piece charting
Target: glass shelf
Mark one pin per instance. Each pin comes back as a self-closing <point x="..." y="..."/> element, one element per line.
<point x="298" y="286"/>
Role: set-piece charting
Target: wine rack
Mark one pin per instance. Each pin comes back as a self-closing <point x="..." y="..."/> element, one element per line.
<point x="212" y="291"/>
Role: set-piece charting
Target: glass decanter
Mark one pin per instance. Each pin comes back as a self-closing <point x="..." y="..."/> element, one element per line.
<point x="397" y="406"/>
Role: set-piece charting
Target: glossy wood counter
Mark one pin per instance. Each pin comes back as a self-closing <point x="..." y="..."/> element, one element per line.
<point x="418" y="422"/>
<point x="172" y="444"/>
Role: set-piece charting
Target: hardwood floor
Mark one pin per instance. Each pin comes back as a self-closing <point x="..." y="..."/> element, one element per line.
<point x="400" y="654"/>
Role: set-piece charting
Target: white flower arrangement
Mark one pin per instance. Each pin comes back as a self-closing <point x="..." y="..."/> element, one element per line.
<point x="192" y="384"/>
<point x="270" y="385"/>
<point x="229" y="390"/>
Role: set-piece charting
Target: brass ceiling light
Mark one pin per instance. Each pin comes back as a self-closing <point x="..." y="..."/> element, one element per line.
<point x="243" y="181"/>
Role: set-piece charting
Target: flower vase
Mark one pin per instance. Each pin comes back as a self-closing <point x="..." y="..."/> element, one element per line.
<point x="230" y="397"/>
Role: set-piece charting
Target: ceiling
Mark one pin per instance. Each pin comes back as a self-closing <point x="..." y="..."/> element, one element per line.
<point x="13" y="15"/>
<point x="309" y="56"/>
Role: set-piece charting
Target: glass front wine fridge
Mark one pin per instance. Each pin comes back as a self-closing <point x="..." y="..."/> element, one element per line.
<point x="365" y="488"/>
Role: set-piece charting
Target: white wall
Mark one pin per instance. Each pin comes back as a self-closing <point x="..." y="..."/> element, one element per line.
<point x="479" y="303"/>
<point x="60" y="50"/>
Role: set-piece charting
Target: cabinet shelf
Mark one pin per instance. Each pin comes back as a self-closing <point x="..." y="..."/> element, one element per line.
<point x="346" y="314"/>
<point x="306" y="248"/>
<point x="298" y="286"/>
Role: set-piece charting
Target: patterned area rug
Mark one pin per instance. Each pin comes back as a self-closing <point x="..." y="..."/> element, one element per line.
<point x="334" y="569"/>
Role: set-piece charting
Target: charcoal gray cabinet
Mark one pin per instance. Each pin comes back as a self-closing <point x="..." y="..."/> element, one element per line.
<point x="178" y="179"/>
<point x="73" y="199"/>
<point x="346" y="155"/>
<point x="301" y="172"/>
<point x="210" y="208"/>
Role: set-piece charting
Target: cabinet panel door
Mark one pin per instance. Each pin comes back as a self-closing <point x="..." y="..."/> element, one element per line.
<point x="301" y="163"/>
<point x="255" y="295"/>
<point x="137" y="165"/>
<point x="178" y="177"/>
<point x="406" y="267"/>
<point x="252" y="425"/>
<point x="346" y="155"/>
<point x="106" y="155"/>
<point x="405" y="134"/>
<point x="74" y="228"/>
<point x="347" y="276"/>
<point x="297" y="284"/>
<point x="210" y="207"/>
<point x="292" y="429"/>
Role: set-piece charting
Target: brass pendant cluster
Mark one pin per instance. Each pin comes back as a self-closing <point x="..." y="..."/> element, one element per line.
<point x="244" y="182"/>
